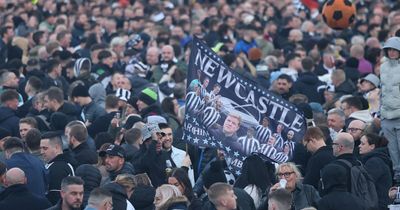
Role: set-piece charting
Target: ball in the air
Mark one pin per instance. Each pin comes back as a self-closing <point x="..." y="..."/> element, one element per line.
<point x="339" y="14"/>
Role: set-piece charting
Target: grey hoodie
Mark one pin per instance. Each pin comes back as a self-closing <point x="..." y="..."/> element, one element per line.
<point x="390" y="82"/>
<point x="98" y="93"/>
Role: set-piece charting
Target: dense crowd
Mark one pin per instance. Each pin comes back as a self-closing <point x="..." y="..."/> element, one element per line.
<point x="92" y="97"/>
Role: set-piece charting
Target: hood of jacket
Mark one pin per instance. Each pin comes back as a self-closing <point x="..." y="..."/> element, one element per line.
<point x="381" y="153"/>
<point x="117" y="190"/>
<point x="362" y="115"/>
<point x="5" y="113"/>
<point x="90" y="174"/>
<point x="394" y="43"/>
<point x="143" y="197"/>
<point x="308" y="78"/>
<point x="333" y="178"/>
<point x="97" y="92"/>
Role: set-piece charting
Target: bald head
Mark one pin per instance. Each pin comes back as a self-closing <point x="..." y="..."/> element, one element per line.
<point x="356" y="129"/>
<point x="15" y="176"/>
<point x="344" y="144"/>
<point x="152" y="55"/>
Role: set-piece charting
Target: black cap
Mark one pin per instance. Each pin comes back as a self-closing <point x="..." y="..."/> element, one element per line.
<point x="113" y="150"/>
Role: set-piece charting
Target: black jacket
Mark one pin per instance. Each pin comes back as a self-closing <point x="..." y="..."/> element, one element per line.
<point x="119" y="196"/>
<point x="305" y="195"/>
<point x="84" y="155"/>
<point x="58" y="169"/>
<point x="9" y="120"/>
<point x="127" y="168"/>
<point x="309" y="85"/>
<point x="70" y="110"/>
<point x="318" y="160"/>
<point x="101" y="124"/>
<point x="352" y="160"/>
<point x="335" y="190"/>
<point x="378" y="165"/>
<point x="142" y="197"/>
<point x="18" y="197"/>
<point x="345" y="88"/>
<point x="91" y="177"/>
<point x="149" y="161"/>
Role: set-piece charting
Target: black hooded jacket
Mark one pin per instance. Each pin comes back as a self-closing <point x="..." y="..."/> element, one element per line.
<point x="335" y="190"/>
<point x="143" y="197"/>
<point x="309" y="85"/>
<point x="91" y="177"/>
<point x="119" y="196"/>
<point x="378" y="164"/>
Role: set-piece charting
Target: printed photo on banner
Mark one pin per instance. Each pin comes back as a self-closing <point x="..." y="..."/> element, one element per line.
<point x="227" y="111"/>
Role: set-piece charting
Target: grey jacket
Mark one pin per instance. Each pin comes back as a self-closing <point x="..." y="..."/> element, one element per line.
<point x="92" y="111"/>
<point x="390" y="82"/>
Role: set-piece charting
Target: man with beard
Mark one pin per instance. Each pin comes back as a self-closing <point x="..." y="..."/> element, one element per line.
<point x="71" y="194"/>
<point x="169" y="65"/>
<point x="115" y="161"/>
<point x="282" y="86"/>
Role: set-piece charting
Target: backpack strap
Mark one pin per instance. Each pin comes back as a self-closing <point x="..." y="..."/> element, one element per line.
<point x="346" y="162"/>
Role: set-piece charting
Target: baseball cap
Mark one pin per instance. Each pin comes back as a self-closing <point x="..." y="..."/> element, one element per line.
<point x="113" y="150"/>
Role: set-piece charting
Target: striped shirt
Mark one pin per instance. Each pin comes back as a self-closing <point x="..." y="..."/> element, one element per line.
<point x="263" y="134"/>
<point x="267" y="150"/>
<point x="193" y="101"/>
<point x="210" y="116"/>
<point x="249" y="145"/>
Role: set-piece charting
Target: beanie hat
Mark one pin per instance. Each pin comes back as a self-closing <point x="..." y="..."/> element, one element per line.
<point x="214" y="174"/>
<point x="254" y="54"/>
<point x="80" y="91"/>
<point x="148" y="96"/>
<point x="123" y="94"/>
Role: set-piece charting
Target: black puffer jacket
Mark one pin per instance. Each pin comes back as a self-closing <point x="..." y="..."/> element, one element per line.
<point x="378" y="165"/>
<point x="9" y="120"/>
<point x="92" y="178"/>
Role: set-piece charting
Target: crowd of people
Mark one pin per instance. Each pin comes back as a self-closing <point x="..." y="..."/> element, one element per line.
<point x="92" y="97"/>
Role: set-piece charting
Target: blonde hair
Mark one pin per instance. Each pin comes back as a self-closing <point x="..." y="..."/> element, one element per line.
<point x="142" y="179"/>
<point x="127" y="181"/>
<point x="164" y="193"/>
<point x="292" y="166"/>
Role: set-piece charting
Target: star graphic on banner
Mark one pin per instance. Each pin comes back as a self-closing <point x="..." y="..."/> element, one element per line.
<point x="213" y="144"/>
<point x="220" y="144"/>
<point x="245" y="83"/>
<point x="263" y="93"/>
<point x="228" y="149"/>
<point x="273" y="97"/>
<point x="187" y="117"/>
<point x="259" y="90"/>
<point x="237" y="173"/>
<point x="291" y="107"/>
<point x="230" y="168"/>
<point x="194" y="120"/>
<point x="295" y="109"/>
<point x="243" y="158"/>
<point x="286" y="105"/>
<point x="236" y="154"/>
<point x="196" y="140"/>
<point x="189" y="138"/>
<point x="205" y="141"/>
<point x="267" y="95"/>
<point x="250" y="85"/>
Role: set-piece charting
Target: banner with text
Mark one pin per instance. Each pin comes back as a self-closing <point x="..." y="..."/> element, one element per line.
<point x="227" y="111"/>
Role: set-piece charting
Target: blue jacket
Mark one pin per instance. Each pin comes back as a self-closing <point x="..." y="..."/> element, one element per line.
<point x="9" y="120"/>
<point x="34" y="170"/>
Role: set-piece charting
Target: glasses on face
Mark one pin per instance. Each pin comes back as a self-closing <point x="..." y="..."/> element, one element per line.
<point x="354" y="129"/>
<point x="286" y="174"/>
